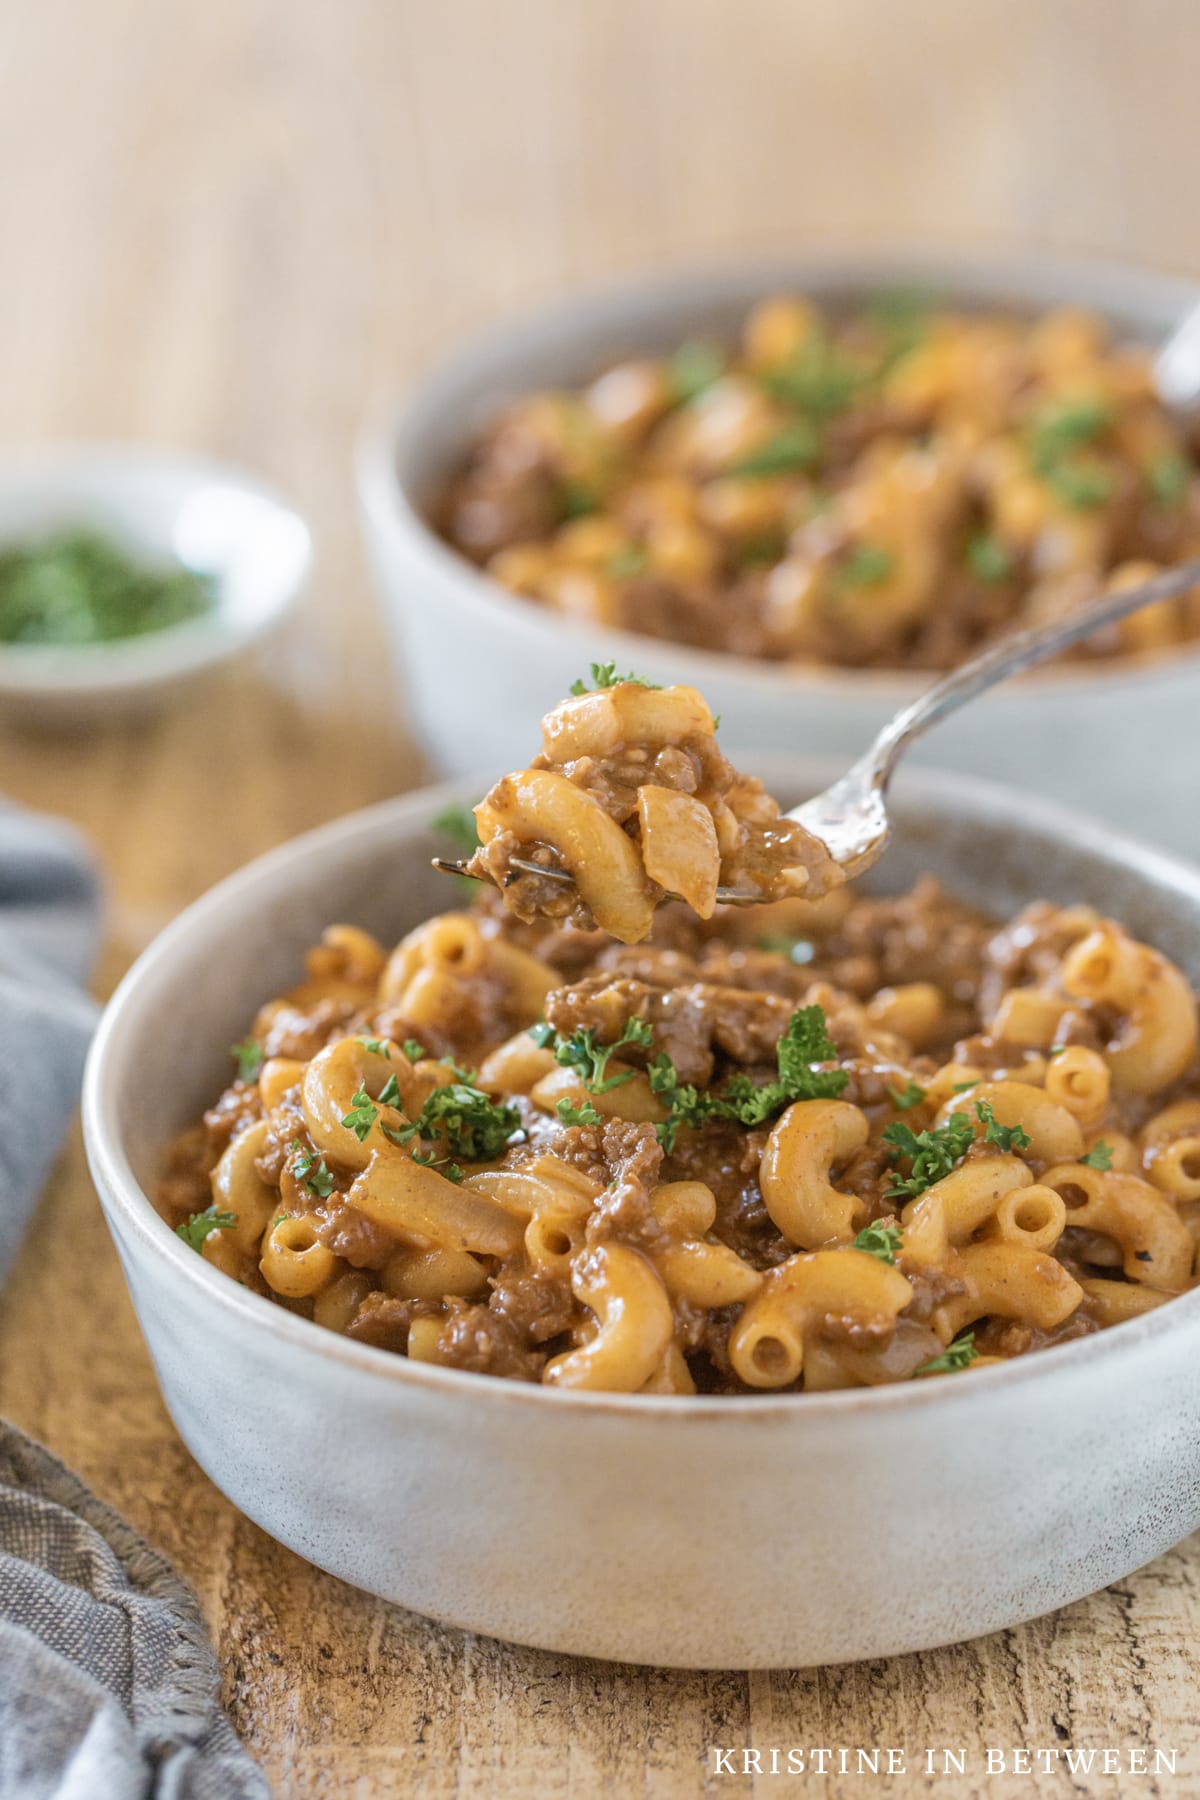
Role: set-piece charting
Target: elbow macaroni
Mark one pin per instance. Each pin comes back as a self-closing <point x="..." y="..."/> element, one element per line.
<point x="633" y="801"/>
<point x="410" y="1161"/>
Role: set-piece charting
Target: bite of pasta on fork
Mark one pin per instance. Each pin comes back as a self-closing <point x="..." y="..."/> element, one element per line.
<point x="631" y="802"/>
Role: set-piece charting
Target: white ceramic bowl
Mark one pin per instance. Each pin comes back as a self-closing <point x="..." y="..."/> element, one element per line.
<point x="480" y="663"/>
<point x="756" y="1532"/>
<point x="209" y="516"/>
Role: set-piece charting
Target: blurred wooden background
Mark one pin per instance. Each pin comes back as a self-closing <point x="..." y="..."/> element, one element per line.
<point x="226" y="224"/>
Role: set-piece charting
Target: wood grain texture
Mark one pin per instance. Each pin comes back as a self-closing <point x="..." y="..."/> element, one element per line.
<point x="227" y="224"/>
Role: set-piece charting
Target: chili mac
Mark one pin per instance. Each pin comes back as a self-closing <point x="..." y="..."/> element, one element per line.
<point x="816" y="1145"/>
<point x="893" y="487"/>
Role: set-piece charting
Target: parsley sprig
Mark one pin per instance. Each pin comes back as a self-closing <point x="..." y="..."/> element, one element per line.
<point x="805" y="1044"/>
<point x="1061" y="448"/>
<point x="793" y="448"/>
<point x="249" y="1059"/>
<point x="362" y="1115"/>
<point x="1099" y="1156"/>
<point x="470" y="1122"/>
<point x="587" y="1058"/>
<point x="311" y="1174"/>
<point x="817" y="378"/>
<point x="604" y="675"/>
<point x="199" y="1225"/>
<point x="866" y="565"/>
<point x="694" y="368"/>
<point x="1005" y="1137"/>
<point x="577" y="1113"/>
<point x="989" y="557"/>
<point x="958" y="1355"/>
<point x="883" y="1241"/>
<point x="933" y="1154"/>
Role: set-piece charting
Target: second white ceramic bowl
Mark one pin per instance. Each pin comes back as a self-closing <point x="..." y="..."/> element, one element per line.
<point x="480" y="664"/>
<point x="750" y="1533"/>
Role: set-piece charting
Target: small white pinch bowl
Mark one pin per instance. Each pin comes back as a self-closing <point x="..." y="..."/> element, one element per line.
<point x="479" y="662"/>
<point x="757" y="1532"/>
<point x="164" y="506"/>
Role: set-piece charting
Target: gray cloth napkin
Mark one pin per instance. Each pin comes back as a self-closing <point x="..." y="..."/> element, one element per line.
<point x="48" y="924"/>
<point x="108" y="1685"/>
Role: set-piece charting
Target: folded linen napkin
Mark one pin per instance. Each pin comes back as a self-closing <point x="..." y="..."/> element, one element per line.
<point x="48" y="923"/>
<point x="108" y="1685"/>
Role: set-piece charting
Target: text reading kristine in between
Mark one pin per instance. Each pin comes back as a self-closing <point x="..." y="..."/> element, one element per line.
<point x="1126" y="1759"/>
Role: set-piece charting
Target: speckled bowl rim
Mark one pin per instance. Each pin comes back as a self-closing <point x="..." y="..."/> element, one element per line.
<point x="392" y="428"/>
<point x="122" y="1194"/>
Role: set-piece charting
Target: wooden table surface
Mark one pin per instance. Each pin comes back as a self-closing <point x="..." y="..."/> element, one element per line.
<point x="226" y="223"/>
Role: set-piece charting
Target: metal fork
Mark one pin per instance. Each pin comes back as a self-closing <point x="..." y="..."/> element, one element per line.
<point x="850" y="818"/>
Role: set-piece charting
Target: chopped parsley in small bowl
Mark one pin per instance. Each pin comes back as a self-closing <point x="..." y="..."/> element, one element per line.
<point x="125" y="571"/>
<point x="80" y="586"/>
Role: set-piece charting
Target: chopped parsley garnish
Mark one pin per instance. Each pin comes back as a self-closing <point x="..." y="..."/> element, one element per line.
<point x="797" y="949"/>
<point x="542" y="1034"/>
<point x="1082" y="485"/>
<point x="474" y="1126"/>
<point x="958" y="1355"/>
<point x="1170" y="476"/>
<point x="249" y="1059"/>
<point x="805" y="1044"/>
<point x="1005" y="1137"/>
<point x="389" y="1093"/>
<point x="686" y="1105"/>
<point x="458" y="822"/>
<point x="883" y="1241"/>
<point x="933" y="1154"/>
<point x="694" y="368"/>
<point x="589" y="1059"/>
<point x="200" y="1224"/>
<point x="412" y="1049"/>
<point x="604" y="675"/>
<point x="583" y="1114"/>
<point x="1099" y="1156"/>
<point x="278" y="1219"/>
<point x="929" y="1154"/>
<point x="817" y="378"/>
<point x="363" y="1113"/>
<point x="792" y="449"/>
<point x="911" y="1094"/>
<point x="631" y="561"/>
<point x="314" y="1176"/>
<point x="376" y="1046"/>
<point x="1065" y="426"/>
<point x="1059" y="440"/>
<point x="866" y="566"/>
<point x="902" y="315"/>
<point x="82" y="587"/>
<point x="429" y="1159"/>
<point x="988" y="558"/>
<point x="578" y="500"/>
<point x="964" y="1087"/>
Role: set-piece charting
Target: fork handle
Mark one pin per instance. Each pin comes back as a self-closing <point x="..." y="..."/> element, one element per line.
<point x="1010" y="657"/>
